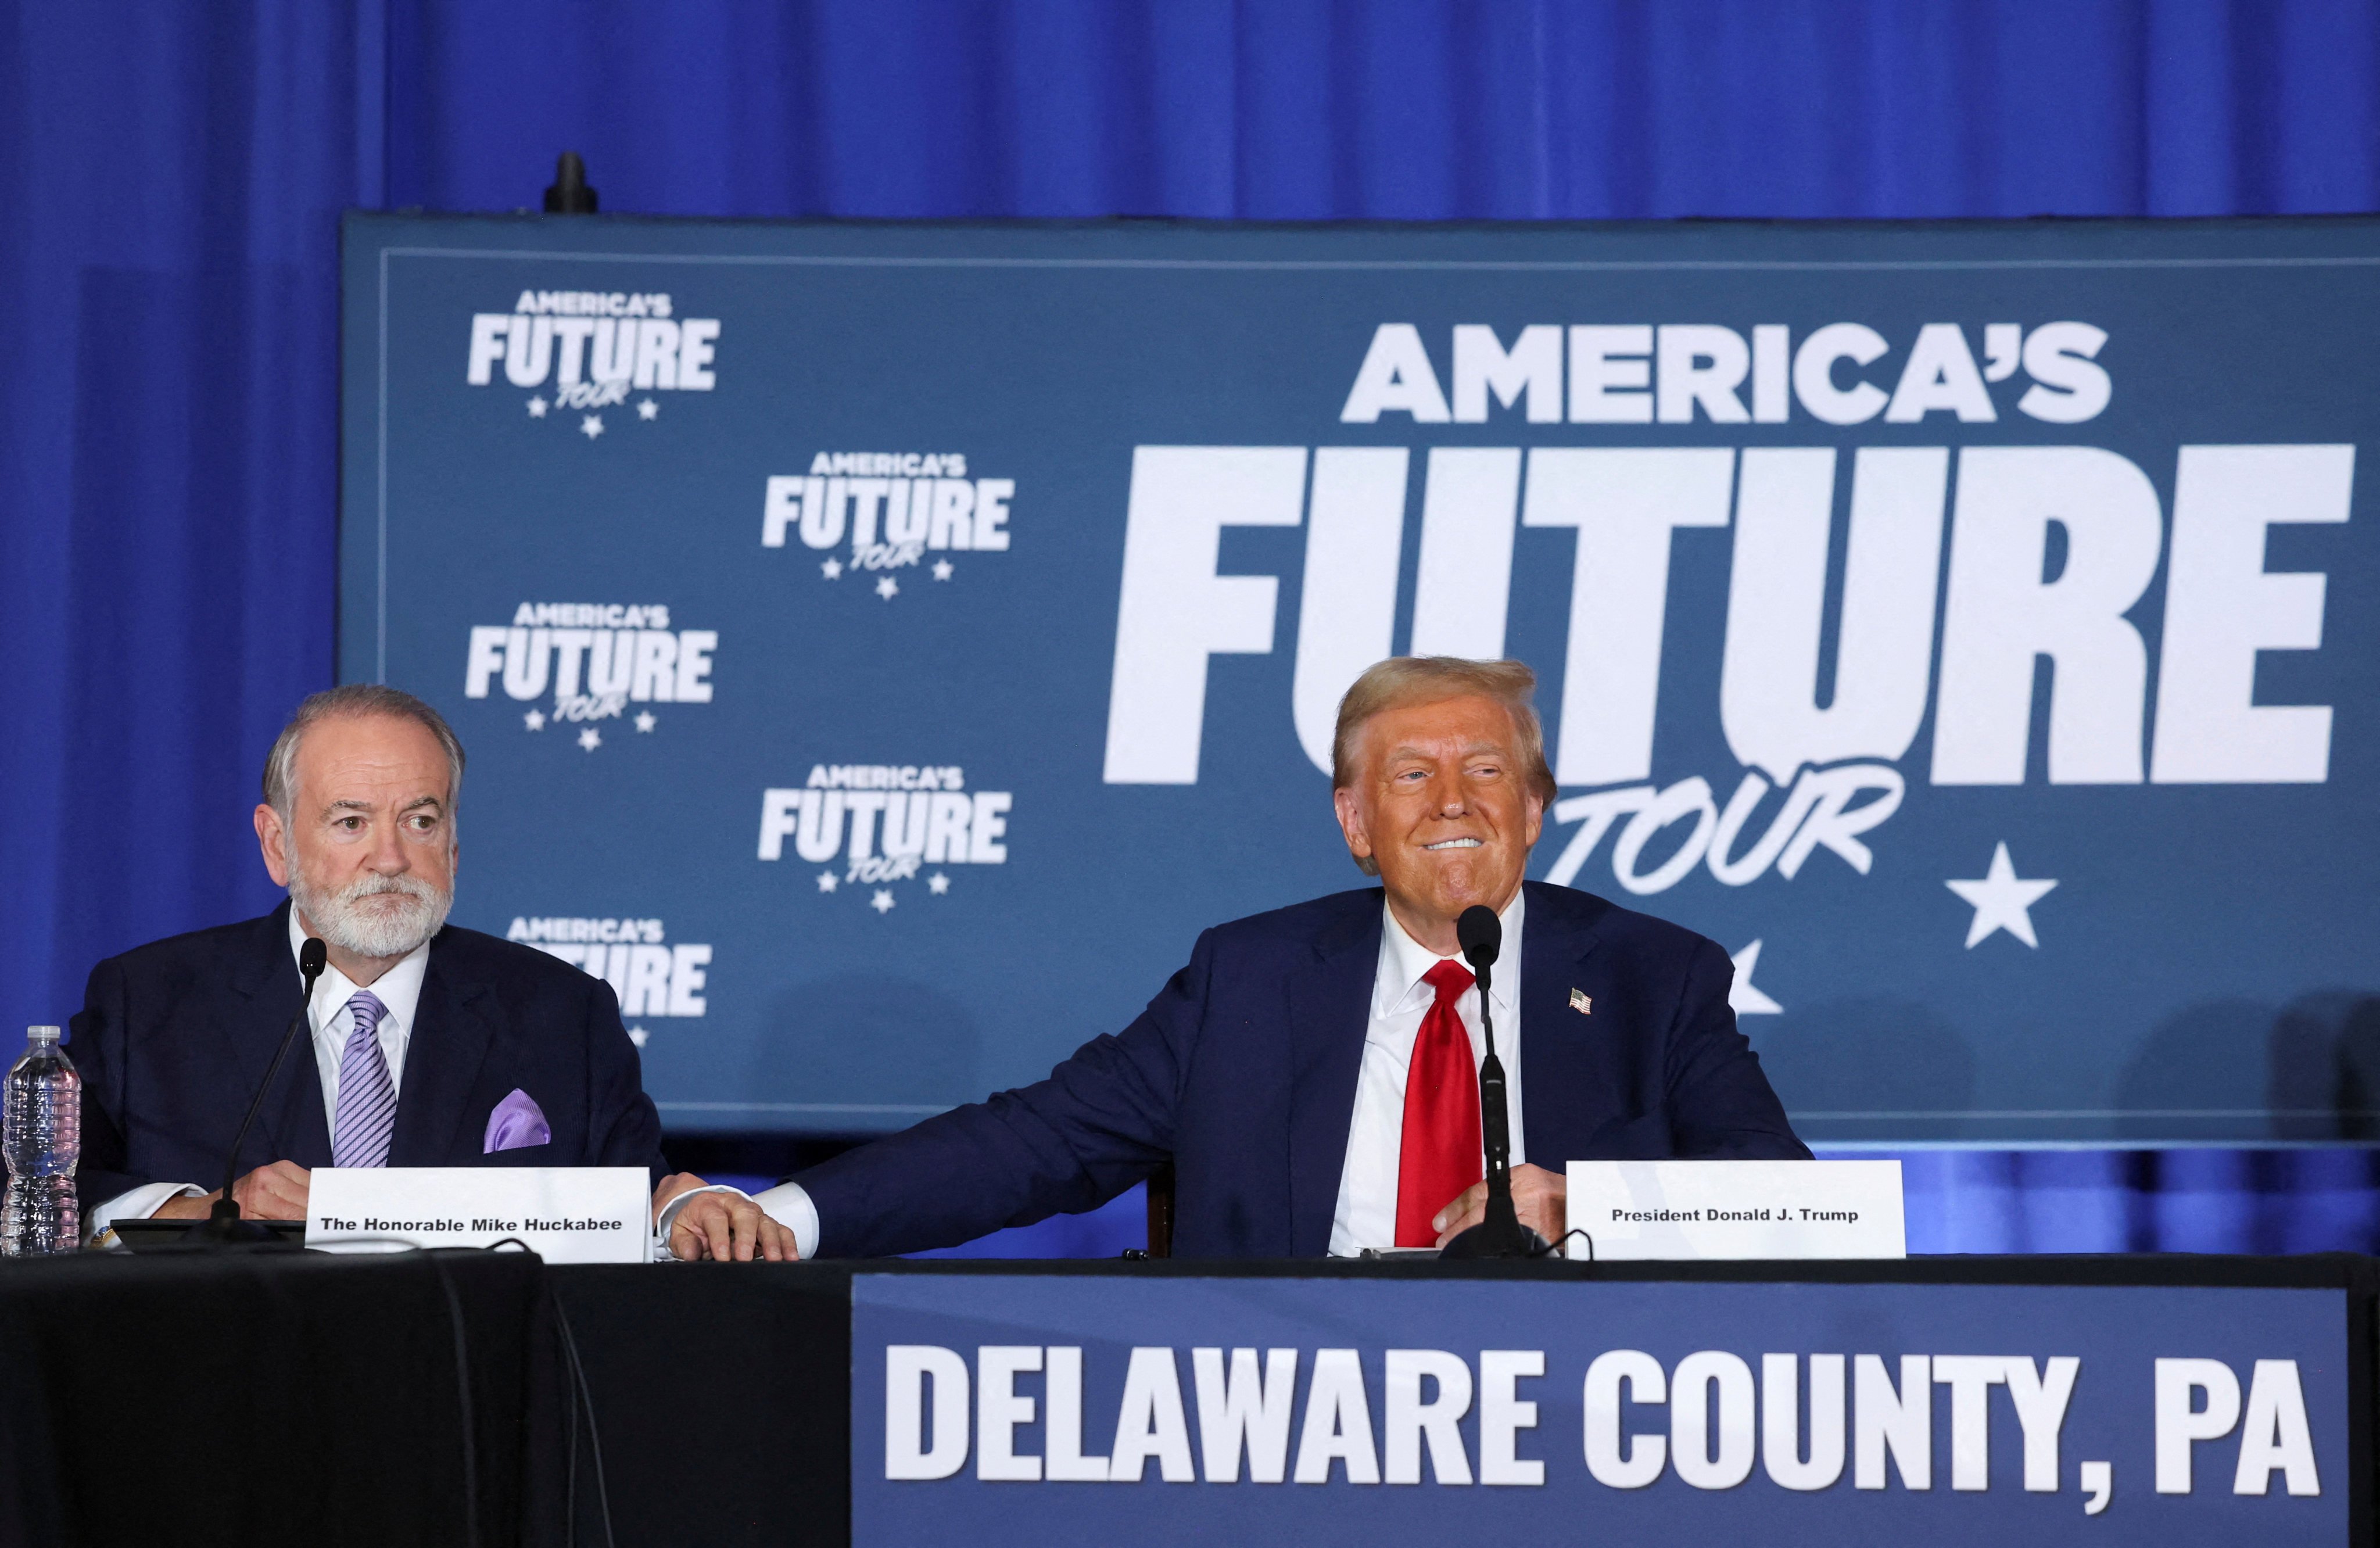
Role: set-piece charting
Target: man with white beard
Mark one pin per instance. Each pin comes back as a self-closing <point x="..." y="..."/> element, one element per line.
<point x="433" y="1045"/>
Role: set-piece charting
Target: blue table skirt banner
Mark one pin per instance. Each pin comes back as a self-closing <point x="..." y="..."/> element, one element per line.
<point x="1045" y="1409"/>
<point x="881" y="649"/>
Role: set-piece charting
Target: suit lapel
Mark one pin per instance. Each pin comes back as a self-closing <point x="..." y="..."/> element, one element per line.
<point x="452" y="1033"/>
<point x="1328" y="1010"/>
<point x="1556" y="1042"/>
<point x="290" y="1124"/>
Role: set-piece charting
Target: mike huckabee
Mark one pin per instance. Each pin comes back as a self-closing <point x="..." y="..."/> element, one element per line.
<point x="433" y="1045"/>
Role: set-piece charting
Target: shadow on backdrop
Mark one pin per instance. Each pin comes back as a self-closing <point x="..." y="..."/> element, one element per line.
<point x="2199" y="1076"/>
<point x="863" y="1033"/>
<point x="2323" y="1068"/>
<point x="1856" y="1069"/>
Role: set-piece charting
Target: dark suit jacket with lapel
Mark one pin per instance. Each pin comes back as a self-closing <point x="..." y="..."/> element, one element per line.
<point x="174" y="1036"/>
<point x="1243" y="1071"/>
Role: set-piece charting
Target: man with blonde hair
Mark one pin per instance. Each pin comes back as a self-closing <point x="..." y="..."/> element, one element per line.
<point x="1312" y="1074"/>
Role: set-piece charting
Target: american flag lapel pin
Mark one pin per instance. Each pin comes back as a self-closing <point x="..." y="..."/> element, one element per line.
<point x="1582" y="1002"/>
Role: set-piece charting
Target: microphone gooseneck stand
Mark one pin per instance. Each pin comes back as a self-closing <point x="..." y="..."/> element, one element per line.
<point x="222" y="1225"/>
<point x="1500" y="1233"/>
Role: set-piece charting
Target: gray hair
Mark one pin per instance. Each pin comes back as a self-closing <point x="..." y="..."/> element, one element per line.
<point x="348" y="702"/>
<point x="1402" y="681"/>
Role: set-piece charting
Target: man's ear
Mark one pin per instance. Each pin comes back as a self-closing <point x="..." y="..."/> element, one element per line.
<point x="1535" y="806"/>
<point x="272" y="839"/>
<point x="1351" y="824"/>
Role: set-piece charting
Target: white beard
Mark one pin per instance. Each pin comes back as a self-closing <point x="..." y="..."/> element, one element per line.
<point x="344" y="920"/>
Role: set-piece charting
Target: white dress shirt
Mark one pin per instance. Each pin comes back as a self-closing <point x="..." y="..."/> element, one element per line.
<point x="1366" y="1213"/>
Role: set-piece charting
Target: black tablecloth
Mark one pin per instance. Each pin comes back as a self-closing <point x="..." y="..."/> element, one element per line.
<point x="723" y="1394"/>
<point x="724" y="1390"/>
<point x="265" y="1397"/>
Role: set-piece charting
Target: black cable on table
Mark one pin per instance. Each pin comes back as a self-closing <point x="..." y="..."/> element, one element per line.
<point x="1555" y="1246"/>
<point x="463" y="1401"/>
<point x="594" y="1431"/>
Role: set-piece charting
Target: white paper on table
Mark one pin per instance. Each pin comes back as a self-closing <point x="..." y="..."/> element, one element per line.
<point x="567" y="1214"/>
<point x="1736" y="1209"/>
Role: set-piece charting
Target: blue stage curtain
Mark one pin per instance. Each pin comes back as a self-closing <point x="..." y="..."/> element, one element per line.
<point x="170" y="176"/>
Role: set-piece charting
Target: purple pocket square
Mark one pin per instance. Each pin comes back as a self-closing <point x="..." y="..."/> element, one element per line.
<point x="517" y="1122"/>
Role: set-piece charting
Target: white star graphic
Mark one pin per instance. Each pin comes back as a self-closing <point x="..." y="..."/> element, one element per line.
<point x="888" y="588"/>
<point x="536" y="409"/>
<point x="2000" y="900"/>
<point x="942" y="569"/>
<point x="638" y="1035"/>
<point x="591" y="426"/>
<point x="646" y="719"/>
<point x="591" y="739"/>
<point x="534" y="720"/>
<point x="831" y="569"/>
<point x="882" y="902"/>
<point x="647" y="409"/>
<point x="938" y="884"/>
<point x="1744" y="999"/>
<point x="826" y="881"/>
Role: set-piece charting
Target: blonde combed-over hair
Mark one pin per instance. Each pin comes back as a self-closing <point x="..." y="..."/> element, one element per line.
<point x="1401" y="682"/>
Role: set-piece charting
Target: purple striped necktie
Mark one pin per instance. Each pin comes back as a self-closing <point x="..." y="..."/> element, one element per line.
<point x="367" y="1105"/>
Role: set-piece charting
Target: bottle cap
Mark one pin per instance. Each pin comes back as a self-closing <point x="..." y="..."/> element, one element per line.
<point x="42" y="1034"/>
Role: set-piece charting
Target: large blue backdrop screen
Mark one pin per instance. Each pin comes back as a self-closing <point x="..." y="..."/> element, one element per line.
<point x="174" y="176"/>
<point x="885" y="648"/>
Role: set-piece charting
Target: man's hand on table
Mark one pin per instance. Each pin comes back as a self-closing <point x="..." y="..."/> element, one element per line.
<point x="724" y="1227"/>
<point x="721" y="1226"/>
<point x="275" y="1192"/>
<point x="1540" y="1197"/>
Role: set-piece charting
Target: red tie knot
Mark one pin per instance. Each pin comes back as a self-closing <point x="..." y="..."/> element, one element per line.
<point x="1449" y="978"/>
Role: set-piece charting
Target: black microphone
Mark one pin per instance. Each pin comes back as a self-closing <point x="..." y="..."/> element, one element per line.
<point x="1481" y="935"/>
<point x="223" y="1222"/>
<point x="1500" y="1233"/>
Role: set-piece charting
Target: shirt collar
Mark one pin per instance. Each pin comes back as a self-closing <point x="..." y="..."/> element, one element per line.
<point x="1404" y="960"/>
<point x="399" y="989"/>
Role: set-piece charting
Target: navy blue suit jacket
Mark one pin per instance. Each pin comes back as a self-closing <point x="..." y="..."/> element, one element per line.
<point x="174" y="1036"/>
<point x="1244" y="1072"/>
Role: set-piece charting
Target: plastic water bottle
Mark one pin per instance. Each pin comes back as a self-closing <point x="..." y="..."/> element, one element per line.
<point x="41" y="1131"/>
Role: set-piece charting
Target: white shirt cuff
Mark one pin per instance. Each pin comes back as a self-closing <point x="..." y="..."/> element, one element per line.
<point x="139" y="1204"/>
<point x="669" y="1213"/>
<point x="789" y="1205"/>
<point x="800" y="1218"/>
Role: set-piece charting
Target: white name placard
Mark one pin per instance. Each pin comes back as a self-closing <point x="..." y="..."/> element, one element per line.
<point x="1736" y="1209"/>
<point x="567" y="1214"/>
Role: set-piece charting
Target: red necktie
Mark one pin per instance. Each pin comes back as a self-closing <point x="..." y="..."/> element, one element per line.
<point x="1440" y="1155"/>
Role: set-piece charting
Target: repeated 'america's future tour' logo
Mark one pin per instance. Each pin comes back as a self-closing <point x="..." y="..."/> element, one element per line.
<point x="886" y="823"/>
<point x="651" y="975"/>
<point x="882" y="512"/>
<point x="579" y="352"/>
<point x="602" y="662"/>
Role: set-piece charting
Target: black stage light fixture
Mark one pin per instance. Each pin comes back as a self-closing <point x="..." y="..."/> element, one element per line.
<point x="569" y="195"/>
